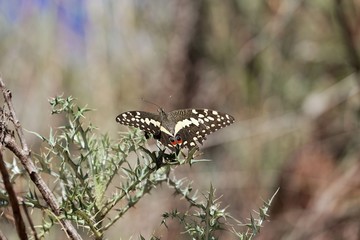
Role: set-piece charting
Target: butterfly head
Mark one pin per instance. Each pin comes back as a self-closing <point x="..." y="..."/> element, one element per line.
<point x="162" y="113"/>
<point x="177" y="140"/>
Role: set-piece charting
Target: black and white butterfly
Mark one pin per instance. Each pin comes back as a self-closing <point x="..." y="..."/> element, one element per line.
<point x="179" y="128"/>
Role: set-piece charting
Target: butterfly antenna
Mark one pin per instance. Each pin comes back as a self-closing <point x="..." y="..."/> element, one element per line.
<point x="146" y="101"/>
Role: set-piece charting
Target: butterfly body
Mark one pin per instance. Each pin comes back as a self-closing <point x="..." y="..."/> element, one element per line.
<point x="179" y="128"/>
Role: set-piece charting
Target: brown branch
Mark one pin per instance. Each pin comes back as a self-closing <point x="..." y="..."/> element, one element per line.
<point x="347" y="35"/>
<point x="30" y="221"/>
<point x="24" y="158"/>
<point x="23" y="155"/>
<point x="7" y="96"/>
<point x="19" y="222"/>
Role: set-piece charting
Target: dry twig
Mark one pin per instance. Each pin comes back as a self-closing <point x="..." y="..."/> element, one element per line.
<point x="19" y="222"/>
<point x="23" y="154"/>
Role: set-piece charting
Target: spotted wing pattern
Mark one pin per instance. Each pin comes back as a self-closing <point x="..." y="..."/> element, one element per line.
<point x="179" y="128"/>
<point x="148" y="122"/>
<point x="193" y="125"/>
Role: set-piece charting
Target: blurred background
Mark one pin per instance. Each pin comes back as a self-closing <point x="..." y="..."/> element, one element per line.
<point x="288" y="71"/>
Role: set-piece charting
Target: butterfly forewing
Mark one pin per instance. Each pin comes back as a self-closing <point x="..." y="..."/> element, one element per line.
<point x="146" y="121"/>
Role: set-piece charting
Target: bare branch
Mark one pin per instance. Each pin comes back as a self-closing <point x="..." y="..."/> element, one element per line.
<point x="7" y="96"/>
<point x="23" y="154"/>
<point x="347" y="35"/>
<point x="30" y="221"/>
<point x="19" y="222"/>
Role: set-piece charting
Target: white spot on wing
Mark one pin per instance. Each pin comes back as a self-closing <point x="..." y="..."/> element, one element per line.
<point x="194" y="121"/>
<point x="165" y="130"/>
<point x="194" y="111"/>
<point x="210" y="118"/>
<point x="185" y="123"/>
<point x="153" y="122"/>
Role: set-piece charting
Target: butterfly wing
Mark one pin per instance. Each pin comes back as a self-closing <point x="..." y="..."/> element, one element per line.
<point x="148" y="122"/>
<point x="193" y="125"/>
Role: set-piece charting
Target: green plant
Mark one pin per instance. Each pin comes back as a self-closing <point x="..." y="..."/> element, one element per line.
<point x="81" y="164"/>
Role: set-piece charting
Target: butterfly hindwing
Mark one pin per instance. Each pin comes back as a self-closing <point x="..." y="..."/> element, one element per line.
<point x="193" y="125"/>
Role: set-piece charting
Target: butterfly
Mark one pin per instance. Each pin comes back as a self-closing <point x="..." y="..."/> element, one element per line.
<point x="182" y="128"/>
